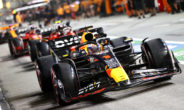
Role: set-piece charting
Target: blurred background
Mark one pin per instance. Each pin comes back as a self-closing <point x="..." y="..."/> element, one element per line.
<point x="47" y="11"/>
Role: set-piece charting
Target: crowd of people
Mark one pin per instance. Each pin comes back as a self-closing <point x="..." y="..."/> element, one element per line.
<point x="90" y="8"/>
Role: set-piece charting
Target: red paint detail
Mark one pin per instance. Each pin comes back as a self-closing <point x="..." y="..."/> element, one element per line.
<point x="95" y="60"/>
<point x="38" y="74"/>
<point x="19" y="48"/>
<point x="71" y="33"/>
<point x="73" y="48"/>
<point x="98" y="91"/>
<point x="108" y="71"/>
<point x="74" y="98"/>
<point x="53" y="36"/>
<point x="106" y="56"/>
<point x="87" y="94"/>
<point x="25" y="44"/>
<point x="52" y="76"/>
<point x="149" y="78"/>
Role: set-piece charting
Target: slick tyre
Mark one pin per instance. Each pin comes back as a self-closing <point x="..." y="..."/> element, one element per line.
<point x="42" y="49"/>
<point x="32" y="49"/>
<point x="156" y="54"/>
<point x="15" y="42"/>
<point x="66" y="82"/>
<point x="44" y="76"/>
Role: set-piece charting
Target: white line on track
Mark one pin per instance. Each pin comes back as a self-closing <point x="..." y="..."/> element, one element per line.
<point x="176" y="42"/>
<point x="0" y="104"/>
<point x="162" y="25"/>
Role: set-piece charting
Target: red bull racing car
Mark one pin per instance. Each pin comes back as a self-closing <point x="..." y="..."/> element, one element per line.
<point x="87" y="65"/>
<point x="42" y="48"/>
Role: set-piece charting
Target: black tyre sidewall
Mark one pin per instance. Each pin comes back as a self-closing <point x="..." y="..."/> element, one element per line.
<point x="69" y="78"/>
<point x="157" y="54"/>
<point x="32" y="45"/>
<point x="42" y="49"/>
<point x="44" y="64"/>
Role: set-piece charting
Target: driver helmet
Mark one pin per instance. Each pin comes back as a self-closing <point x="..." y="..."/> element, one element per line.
<point x="68" y="31"/>
<point x="87" y="36"/>
<point x="32" y="29"/>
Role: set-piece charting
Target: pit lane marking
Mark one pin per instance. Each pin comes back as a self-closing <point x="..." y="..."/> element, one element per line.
<point x="162" y="25"/>
<point x="0" y="104"/>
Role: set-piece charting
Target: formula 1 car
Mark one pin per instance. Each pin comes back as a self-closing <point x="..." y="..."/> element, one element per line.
<point x="77" y="70"/>
<point x="42" y="48"/>
<point x="24" y="41"/>
<point x="4" y="35"/>
<point x="4" y="32"/>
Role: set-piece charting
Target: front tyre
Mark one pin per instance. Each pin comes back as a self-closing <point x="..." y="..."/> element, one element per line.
<point x="157" y="55"/>
<point x="32" y="49"/>
<point x="43" y="73"/>
<point x="42" y="49"/>
<point x="65" y="81"/>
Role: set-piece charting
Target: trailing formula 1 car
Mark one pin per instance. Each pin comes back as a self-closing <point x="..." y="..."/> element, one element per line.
<point x="5" y="32"/>
<point x="89" y="65"/>
<point x="24" y="41"/>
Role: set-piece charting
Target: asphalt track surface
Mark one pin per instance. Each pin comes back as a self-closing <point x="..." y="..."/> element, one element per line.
<point x="20" y="86"/>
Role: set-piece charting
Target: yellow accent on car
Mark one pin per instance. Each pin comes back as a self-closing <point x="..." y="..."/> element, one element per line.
<point x="128" y="39"/>
<point x="13" y="33"/>
<point x="119" y="74"/>
<point x="57" y="22"/>
<point x="95" y="84"/>
<point x="50" y="52"/>
<point x="65" y="55"/>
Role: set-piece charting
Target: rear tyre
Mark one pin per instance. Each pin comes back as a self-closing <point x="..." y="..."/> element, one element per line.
<point x="15" y="42"/>
<point x="157" y="55"/>
<point x="42" y="49"/>
<point x="32" y="49"/>
<point x="44" y="77"/>
<point x="66" y="82"/>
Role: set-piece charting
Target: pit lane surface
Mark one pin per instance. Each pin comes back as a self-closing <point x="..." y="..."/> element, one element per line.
<point x="20" y="86"/>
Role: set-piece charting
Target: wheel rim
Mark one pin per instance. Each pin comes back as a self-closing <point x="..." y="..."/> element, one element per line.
<point x="38" y="75"/>
<point x="55" y="85"/>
